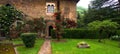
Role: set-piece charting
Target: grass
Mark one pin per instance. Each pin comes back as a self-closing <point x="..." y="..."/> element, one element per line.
<point x="70" y="47"/>
<point x="24" y="50"/>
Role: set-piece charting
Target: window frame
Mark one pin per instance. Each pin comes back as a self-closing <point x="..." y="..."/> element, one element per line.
<point x="51" y="12"/>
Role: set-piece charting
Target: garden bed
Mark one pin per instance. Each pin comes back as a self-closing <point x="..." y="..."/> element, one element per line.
<point x="7" y="48"/>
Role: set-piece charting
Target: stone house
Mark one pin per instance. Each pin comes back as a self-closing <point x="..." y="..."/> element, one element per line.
<point x="45" y="8"/>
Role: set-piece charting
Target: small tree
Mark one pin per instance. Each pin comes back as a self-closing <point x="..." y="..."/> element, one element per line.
<point x="8" y="15"/>
<point x="58" y="24"/>
<point x="105" y="28"/>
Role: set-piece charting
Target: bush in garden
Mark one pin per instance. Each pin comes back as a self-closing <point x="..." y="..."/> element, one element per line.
<point x="115" y="37"/>
<point x="107" y="25"/>
<point x="118" y="32"/>
<point x="78" y="34"/>
<point x="28" y="39"/>
<point x="105" y="28"/>
<point x="53" y="34"/>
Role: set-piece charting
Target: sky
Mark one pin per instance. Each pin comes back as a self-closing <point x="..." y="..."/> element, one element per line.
<point x="83" y="3"/>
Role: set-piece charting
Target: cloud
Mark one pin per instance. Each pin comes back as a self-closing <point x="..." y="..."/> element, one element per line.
<point x="84" y="3"/>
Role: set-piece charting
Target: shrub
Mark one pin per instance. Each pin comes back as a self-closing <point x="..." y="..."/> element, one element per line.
<point x="118" y="32"/>
<point x="105" y="28"/>
<point x="28" y="39"/>
<point x="53" y="34"/>
<point x="78" y="34"/>
<point x="116" y="37"/>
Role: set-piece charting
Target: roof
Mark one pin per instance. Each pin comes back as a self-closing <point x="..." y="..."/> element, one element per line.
<point x="31" y="0"/>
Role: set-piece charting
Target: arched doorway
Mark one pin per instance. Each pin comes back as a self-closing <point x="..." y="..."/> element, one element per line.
<point x="8" y="4"/>
<point x="50" y="29"/>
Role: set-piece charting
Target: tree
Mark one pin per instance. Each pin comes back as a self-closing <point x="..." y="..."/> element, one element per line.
<point x="8" y="15"/>
<point x="58" y="24"/>
<point x="105" y="28"/>
<point x="119" y="2"/>
<point x="80" y="13"/>
<point x="102" y="10"/>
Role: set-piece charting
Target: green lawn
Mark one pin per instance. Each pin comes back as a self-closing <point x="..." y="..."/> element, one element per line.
<point x="24" y="50"/>
<point x="70" y="47"/>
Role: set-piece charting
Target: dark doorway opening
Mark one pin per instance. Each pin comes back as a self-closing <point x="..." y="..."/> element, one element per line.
<point x="8" y="4"/>
<point x="50" y="29"/>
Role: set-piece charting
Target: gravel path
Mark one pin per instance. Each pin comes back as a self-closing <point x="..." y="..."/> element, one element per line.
<point x="46" y="48"/>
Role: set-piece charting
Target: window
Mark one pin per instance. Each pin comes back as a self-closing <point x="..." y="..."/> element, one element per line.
<point x="50" y="7"/>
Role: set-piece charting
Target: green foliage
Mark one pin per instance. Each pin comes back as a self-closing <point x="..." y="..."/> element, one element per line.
<point x="18" y="26"/>
<point x="80" y="21"/>
<point x="81" y="9"/>
<point x="115" y="37"/>
<point x="53" y="34"/>
<point x="107" y="24"/>
<point x="106" y="27"/>
<point x="80" y="14"/>
<point x="8" y="15"/>
<point x="94" y="25"/>
<point x="102" y="10"/>
<point x="78" y="34"/>
<point x="118" y="32"/>
<point x="29" y="39"/>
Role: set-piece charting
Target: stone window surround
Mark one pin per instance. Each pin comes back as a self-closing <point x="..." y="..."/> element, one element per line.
<point x="50" y="3"/>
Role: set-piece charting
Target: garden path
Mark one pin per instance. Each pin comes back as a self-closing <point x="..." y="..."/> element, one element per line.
<point x="46" y="47"/>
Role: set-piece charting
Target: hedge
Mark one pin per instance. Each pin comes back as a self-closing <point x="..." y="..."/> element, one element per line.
<point x="118" y="32"/>
<point x="115" y="37"/>
<point x="29" y="39"/>
<point x="79" y="34"/>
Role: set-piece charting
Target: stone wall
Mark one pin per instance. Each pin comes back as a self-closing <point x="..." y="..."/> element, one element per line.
<point x="37" y="8"/>
<point x="68" y="9"/>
